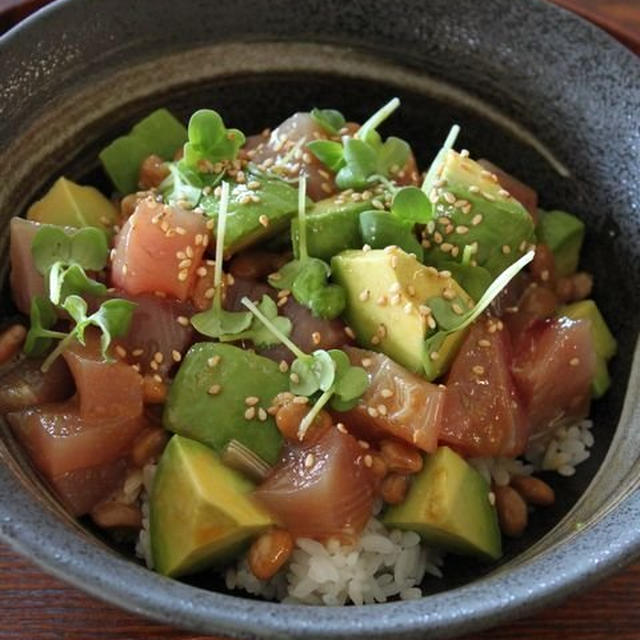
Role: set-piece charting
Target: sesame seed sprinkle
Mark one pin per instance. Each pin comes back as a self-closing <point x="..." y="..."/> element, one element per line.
<point x="262" y="414"/>
<point x="183" y="321"/>
<point x="316" y="337"/>
<point x="574" y="362"/>
<point x="350" y="332"/>
<point x="251" y="401"/>
<point x="214" y="389"/>
<point x="372" y="411"/>
<point x="341" y="428"/>
<point x="309" y="461"/>
<point x="478" y="369"/>
<point x="283" y="366"/>
<point x="250" y="413"/>
<point x="366" y="362"/>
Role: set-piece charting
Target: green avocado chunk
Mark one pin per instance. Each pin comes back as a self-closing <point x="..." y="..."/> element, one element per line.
<point x="254" y="214"/>
<point x="563" y="233"/>
<point x="207" y="400"/>
<point x="160" y="133"/>
<point x="72" y="205"/>
<point x="201" y="513"/>
<point x="380" y="229"/>
<point x="386" y="290"/>
<point x="332" y="227"/>
<point x="471" y="208"/>
<point x="448" y="505"/>
<point x="604" y="343"/>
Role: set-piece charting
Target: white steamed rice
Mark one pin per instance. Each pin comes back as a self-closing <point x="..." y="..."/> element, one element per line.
<point x="381" y="565"/>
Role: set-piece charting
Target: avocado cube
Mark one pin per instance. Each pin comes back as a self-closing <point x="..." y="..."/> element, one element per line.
<point x="386" y="290"/>
<point x="563" y="233"/>
<point x="471" y="208"/>
<point x="448" y="505"/>
<point x="159" y="133"/>
<point x="332" y="226"/>
<point x="72" y="205"/>
<point x="256" y="214"/>
<point x="201" y="513"/>
<point x="206" y="401"/>
<point x="604" y="343"/>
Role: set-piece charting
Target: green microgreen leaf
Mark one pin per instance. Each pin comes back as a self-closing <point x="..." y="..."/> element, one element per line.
<point x="432" y="174"/>
<point x="434" y="342"/>
<point x="182" y="186"/>
<point x="360" y="161"/>
<point x="274" y="330"/>
<point x="86" y="247"/>
<point x="216" y="322"/>
<point x="364" y="154"/>
<point x="112" y="318"/>
<point x="40" y="337"/>
<point x="66" y="280"/>
<point x="329" y="119"/>
<point x="329" y="152"/>
<point x="327" y="371"/>
<point x="411" y="204"/>
<point x="210" y="141"/>
<point x="258" y="333"/>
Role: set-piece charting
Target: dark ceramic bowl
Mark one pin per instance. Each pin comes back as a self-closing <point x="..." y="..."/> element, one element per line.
<point x="549" y="97"/>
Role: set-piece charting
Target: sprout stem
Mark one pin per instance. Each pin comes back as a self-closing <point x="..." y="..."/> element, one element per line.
<point x="377" y="118"/>
<point x="274" y="330"/>
<point x="306" y="422"/>
<point x="220" y="231"/>
<point x="302" y="217"/>
<point x="430" y="178"/>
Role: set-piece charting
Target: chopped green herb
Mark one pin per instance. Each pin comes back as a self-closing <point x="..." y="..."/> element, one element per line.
<point x="329" y="119"/>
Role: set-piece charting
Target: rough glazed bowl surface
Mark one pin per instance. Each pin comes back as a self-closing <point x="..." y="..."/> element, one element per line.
<point x="541" y="92"/>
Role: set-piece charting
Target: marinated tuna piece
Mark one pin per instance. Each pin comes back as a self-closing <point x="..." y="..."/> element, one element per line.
<point x="59" y="440"/>
<point x="104" y="389"/>
<point x="397" y="403"/>
<point x="81" y="490"/>
<point x="159" y="249"/>
<point x="483" y="414"/>
<point x="26" y="282"/>
<point x="158" y="335"/>
<point x="284" y="148"/>
<point x="24" y="385"/>
<point x="322" y="491"/>
<point x="554" y="366"/>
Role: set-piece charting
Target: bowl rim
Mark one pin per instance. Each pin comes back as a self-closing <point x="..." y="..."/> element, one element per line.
<point x="488" y="601"/>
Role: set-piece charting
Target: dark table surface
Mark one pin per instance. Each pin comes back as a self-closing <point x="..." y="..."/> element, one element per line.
<point x="35" y="606"/>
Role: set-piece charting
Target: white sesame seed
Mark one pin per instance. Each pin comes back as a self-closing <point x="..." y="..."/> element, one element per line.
<point x="364" y="295"/>
<point x="309" y="461"/>
<point x="574" y="362"/>
<point x="264" y="220"/>
<point x="316" y="337"/>
<point x="341" y="428"/>
<point x="183" y="320"/>
<point x="250" y="413"/>
<point x="368" y="461"/>
<point x="366" y="362"/>
<point x="262" y="414"/>
<point x="476" y="220"/>
<point x="350" y="332"/>
<point x="283" y="366"/>
<point x="408" y="308"/>
<point x="214" y="389"/>
<point x="478" y="369"/>
<point x="506" y="249"/>
<point x="457" y="309"/>
<point x="176" y="356"/>
<point x="372" y="411"/>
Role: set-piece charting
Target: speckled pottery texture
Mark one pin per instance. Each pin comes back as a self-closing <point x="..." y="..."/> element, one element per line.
<point x="548" y="96"/>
